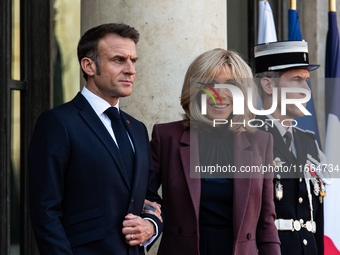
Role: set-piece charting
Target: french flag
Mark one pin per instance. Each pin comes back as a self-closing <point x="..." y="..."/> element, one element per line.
<point x="332" y="107"/>
<point x="266" y="27"/>
<point x="294" y="34"/>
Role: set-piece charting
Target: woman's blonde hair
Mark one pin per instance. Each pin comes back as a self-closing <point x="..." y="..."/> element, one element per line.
<point x="206" y="67"/>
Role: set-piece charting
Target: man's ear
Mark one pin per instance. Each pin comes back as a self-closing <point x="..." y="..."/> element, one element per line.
<point x="88" y="66"/>
<point x="267" y="85"/>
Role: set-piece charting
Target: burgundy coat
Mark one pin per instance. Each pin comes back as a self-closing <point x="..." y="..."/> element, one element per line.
<point x="253" y="212"/>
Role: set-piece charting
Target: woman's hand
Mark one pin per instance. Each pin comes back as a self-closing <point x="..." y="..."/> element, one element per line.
<point x="152" y="208"/>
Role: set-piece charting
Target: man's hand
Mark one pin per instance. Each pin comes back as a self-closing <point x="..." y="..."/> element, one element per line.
<point x="152" y="208"/>
<point x="137" y="230"/>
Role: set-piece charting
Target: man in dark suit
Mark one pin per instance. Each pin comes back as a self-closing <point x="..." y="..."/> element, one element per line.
<point x="297" y="195"/>
<point x="87" y="184"/>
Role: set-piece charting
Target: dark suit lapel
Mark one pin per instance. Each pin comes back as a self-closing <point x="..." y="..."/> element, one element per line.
<point x="92" y="120"/>
<point x="243" y="156"/>
<point x="134" y="133"/>
<point x="281" y="147"/>
<point x="190" y="160"/>
<point x="279" y="144"/>
<point x="300" y="147"/>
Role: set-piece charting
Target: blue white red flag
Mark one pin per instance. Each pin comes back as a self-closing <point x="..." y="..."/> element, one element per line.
<point x="307" y="122"/>
<point x="266" y="27"/>
<point x="332" y="107"/>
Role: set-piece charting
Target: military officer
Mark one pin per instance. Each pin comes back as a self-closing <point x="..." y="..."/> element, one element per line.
<point x="298" y="190"/>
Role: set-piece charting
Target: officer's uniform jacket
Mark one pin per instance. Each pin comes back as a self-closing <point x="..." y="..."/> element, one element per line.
<point x="291" y="196"/>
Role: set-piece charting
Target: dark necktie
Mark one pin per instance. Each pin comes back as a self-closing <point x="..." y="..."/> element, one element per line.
<point x="288" y="137"/>
<point x="123" y="141"/>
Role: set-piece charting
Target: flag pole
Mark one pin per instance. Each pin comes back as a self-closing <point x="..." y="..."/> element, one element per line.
<point x="332" y="5"/>
<point x="293" y="4"/>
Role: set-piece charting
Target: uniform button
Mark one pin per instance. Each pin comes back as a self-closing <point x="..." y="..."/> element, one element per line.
<point x="132" y="200"/>
<point x="278" y="176"/>
<point x="305" y="242"/>
<point x="180" y="230"/>
<point x="300" y="200"/>
<point x="300" y="180"/>
<point x="248" y="236"/>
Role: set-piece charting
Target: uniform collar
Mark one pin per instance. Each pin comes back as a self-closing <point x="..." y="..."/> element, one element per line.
<point x="281" y="128"/>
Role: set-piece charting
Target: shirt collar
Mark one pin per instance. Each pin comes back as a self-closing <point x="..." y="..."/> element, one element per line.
<point x="98" y="104"/>
<point x="281" y="128"/>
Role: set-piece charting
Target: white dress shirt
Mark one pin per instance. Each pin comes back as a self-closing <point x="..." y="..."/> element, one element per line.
<point x="99" y="105"/>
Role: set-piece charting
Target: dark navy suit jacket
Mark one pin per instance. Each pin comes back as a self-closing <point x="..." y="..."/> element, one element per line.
<point x="79" y="189"/>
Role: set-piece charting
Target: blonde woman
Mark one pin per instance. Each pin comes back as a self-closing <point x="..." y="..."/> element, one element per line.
<point x="230" y="214"/>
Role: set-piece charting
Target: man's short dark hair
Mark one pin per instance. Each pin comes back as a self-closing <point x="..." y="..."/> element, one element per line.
<point x="88" y="43"/>
<point x="275" y="75"/>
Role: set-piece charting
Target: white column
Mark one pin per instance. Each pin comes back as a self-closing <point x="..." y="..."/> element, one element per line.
<point x="172" y="33"/>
